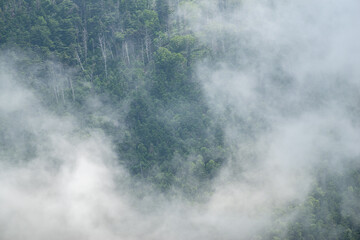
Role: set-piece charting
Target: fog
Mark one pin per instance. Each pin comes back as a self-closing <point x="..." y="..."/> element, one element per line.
<point x="287" y="83"/>
<point x="285" y="80"/>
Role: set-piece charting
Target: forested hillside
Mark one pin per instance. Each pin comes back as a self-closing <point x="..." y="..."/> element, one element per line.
<point x="136" y="59"/>
<point x="220" y="104"/>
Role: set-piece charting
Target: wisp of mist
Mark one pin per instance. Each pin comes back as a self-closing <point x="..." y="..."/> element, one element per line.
<point x="285" y="79"/>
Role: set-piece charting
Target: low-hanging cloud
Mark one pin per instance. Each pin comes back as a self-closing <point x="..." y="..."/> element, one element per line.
<point x="285" y="77"/>
<point x="287" y="85"/>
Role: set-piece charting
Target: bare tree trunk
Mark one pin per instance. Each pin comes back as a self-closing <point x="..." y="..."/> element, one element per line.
<point x="103" y="52"/>
<point x="63" y="95"/>
<point x="111" y="52"/>
<point x="142" y="53"/>
<point x="72" y="89"/>
<point x="79" y="60"/>
<point x="56" y="94"/>
<point x="91" y="74"/>
<point x="85" y="43"/>
<point x="127" y="52"/>
<point x="53" y="82"/>
<point x="147" y="46"/>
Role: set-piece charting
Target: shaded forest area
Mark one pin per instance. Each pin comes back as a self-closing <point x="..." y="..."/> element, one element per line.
<point x="138" y="58"/>
<point x="135" y="58"/>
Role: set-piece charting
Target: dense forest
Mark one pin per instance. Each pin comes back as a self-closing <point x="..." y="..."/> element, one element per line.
<point x="130" y="54"/>
<point x="130" y="69"/>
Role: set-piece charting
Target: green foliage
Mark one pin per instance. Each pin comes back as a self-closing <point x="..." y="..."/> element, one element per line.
<point x="182" y="43"/>
<point x="129" y="53"/>
<point x="163" y="10"/>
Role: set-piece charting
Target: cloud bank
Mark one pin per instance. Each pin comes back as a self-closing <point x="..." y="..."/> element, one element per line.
<point x="284" y="78"/>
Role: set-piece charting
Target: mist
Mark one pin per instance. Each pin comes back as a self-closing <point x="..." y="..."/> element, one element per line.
<point x="287" y="85"/>
<point x="283" y="80"/>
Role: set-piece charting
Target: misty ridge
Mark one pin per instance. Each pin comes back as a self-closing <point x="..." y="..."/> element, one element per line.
<point x="161" y="119"/>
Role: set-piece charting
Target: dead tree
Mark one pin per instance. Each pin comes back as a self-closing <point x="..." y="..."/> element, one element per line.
<point x="103" y="52"/>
